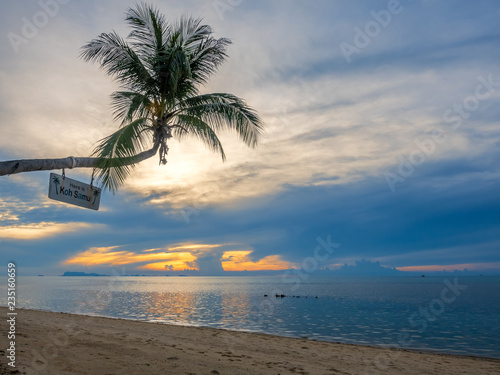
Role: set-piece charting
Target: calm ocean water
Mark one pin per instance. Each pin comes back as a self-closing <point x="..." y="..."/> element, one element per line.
<point x="453" y="315"/>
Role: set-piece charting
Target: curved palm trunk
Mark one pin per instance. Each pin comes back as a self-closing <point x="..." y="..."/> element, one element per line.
<point x="32" y="165"/>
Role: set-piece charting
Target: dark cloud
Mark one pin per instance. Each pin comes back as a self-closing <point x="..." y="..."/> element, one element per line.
<point x="446" y="212"/>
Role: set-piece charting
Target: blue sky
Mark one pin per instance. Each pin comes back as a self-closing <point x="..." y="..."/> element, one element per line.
<point x="382" y="133"/>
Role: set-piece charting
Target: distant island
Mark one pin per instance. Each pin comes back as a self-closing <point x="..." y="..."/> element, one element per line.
<point x="67" y="273"/>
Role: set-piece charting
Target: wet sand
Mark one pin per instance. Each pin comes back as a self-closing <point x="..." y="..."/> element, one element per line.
<point x="57" y="343"/>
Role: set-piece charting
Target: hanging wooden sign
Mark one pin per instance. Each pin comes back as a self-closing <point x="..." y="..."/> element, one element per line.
<point x="67" y="190"/>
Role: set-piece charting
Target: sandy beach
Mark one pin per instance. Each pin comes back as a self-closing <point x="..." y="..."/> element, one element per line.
<point x="57" y="343"/>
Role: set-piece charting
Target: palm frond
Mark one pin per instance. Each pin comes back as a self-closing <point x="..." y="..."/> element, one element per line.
<point x="191" y="32"/>
<point x="116" y="153"/>
<point x="209" y="55"/>
<point x="226" y="111"/>
<point x="205" y="52"/>
<point x="128" y="105"/>
<point x="149" y="28"/>
<point x="119" y="60"/>
<point x="190" y="125"/>
<point x="177" y="80"/>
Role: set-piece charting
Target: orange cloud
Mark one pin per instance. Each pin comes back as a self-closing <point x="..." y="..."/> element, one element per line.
<point x="37" y="231"/>
<point x="178" y="262"/>
<point x="176" y="258"/>
<point x="182" y="256"/>
<point x="106" y="256"/>
<point x="240" y="261"/>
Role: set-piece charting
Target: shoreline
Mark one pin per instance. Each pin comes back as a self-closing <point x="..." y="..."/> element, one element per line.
<point x="415" y="350"/>
<point x="63" y="343"/>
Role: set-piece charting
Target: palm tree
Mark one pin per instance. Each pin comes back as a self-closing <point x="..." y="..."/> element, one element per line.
<point x="160" y="69"/>
<point x="96" y="193"/>
<point x="56" y="182"/>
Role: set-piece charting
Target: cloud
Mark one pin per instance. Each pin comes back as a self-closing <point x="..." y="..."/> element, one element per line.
<point x="108" y="256"/>
<point x="36" y="231"/>
<point x="379" y="119"/>
<point x="337" y="125"/>
<point x="241" y="261"/>
<point x="208" y="259"/>
<point x="453" y="267"/>
<point x="333" y="129"/>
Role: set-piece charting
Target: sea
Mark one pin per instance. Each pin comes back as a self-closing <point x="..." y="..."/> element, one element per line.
<point x="454" y="314"/>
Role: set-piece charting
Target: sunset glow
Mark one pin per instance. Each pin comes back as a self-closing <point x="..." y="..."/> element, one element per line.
<point x="390" y="151"/>
<point x="41" y="230"/>
<point x="178" y="262"/>
<point x="177" y="258"/>
<point x="240" y="261"/>
<point x="108" y="256"/>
